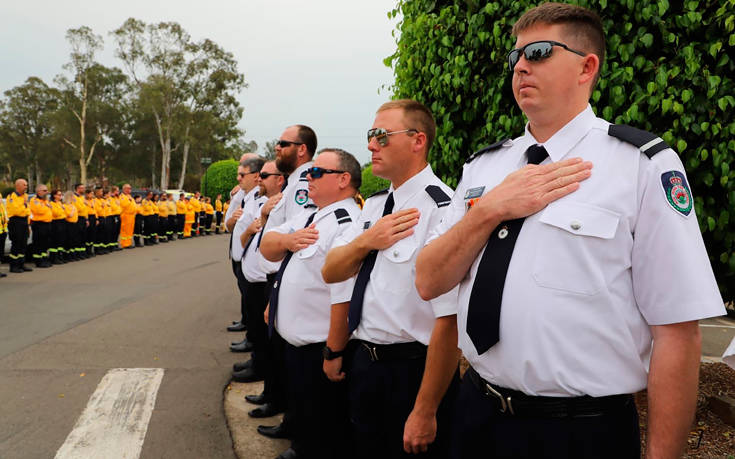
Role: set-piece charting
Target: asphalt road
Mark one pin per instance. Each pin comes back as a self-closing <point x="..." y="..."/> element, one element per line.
<point x="62" y="329"/>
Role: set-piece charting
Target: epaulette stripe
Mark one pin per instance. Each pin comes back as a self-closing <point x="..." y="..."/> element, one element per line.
<point x="379" y="192"/>
<point x="484" y="150"/>
<point x="648" y="144"/>
<point x="310" y="206"/>
<point x="303" y="174"/>
<point x="438" y="195"/>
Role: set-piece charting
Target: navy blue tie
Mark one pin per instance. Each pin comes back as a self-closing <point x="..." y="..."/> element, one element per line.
<point x="483" y="312"/>
<point x="277" y="285"/>
<point x="358" y="292"/>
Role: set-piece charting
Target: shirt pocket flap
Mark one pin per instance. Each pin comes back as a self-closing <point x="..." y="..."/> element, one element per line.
<point x="401" y="251"/>
<point x="307" y="252"/>
<point x="582" y="219"/>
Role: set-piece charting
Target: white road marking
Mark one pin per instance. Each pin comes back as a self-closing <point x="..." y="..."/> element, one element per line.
<point x="115" y="421"/>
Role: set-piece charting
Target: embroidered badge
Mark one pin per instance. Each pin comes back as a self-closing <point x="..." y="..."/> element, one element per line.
<point x="677" y="192"/>
<point x="301" y="197"/>
<point x="472" y="196"/>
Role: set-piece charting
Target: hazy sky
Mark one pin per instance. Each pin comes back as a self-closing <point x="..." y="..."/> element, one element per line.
<point x="316" y="62"/>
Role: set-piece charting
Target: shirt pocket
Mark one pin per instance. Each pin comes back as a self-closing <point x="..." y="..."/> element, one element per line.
<point x="396" y="271"/>
<point x="572" y="242"/>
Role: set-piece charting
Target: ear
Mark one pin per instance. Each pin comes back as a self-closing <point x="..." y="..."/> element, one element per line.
<point x="344" y="180"/>
<point x="419" y="142"/>
<point x="589" y="68"/>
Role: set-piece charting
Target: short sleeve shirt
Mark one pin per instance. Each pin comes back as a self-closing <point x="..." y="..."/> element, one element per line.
<point x="393" y="311"/>
<point x="251" y="258"/>
<point x="304" y="302"/>
<point x="590" y="272"/>
<point x="242" y="224"/>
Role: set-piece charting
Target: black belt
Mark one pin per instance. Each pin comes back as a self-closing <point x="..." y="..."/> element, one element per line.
<point x="398" y="351"/>
<point x="515" y="403"/>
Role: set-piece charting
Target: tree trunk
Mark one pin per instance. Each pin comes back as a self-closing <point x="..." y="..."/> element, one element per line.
<point x="38" y="173"/>
<point x="153" y="167"/>
<point x="82" y="170"/>
<point x="187" y="145"/>
<point x="30" y="178"/>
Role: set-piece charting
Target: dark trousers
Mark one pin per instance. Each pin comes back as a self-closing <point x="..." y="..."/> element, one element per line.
<point x="91" y="233"/>
<point x="149" y="228"/>
<point x="100" y="235"/>
<point x="41" y="240"/>
<point x="480" y="430"/>
<point x="180" y="219"/>
<point x="382" y="395"/>
<point x="317" y="405"/>
<point x="81" y="232"/>
<point x="18" y="233"/>
<point x="138" y="229"/>
<point x="3" y="236"/>
<point x="59" y="236"/>
<point x="116" y="230"/>
<point x="274" y="386"/>
<point x="255" y="303"/>
<point x="171" y="231"/>
<point x="72" y="239"/>
<point x="163" y="227"/>
<point x="110" y="233"/>
<point x="218" y="217"/>
<point x="241" y="284"/>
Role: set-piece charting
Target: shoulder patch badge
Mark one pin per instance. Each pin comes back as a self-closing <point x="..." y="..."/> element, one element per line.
<point x="677" y="192"/>
<point x="301" y="197"/>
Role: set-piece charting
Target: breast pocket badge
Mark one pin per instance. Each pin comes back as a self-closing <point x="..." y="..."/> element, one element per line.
<point x="472" y="196"/>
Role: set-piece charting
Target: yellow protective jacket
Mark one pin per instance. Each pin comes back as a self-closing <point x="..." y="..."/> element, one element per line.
<point x="71" y="213"/>
<point x="181" y="207"/>
<point x="40" y="210"/>
<point x="196" y="205"/>
<point x="100" y="208"/>
<point x="115" y="206"/>
<point x="208" y="209"/>
<point x="57" y="211"/>
<point x="218" y="205"/>
<point x="154" y="207"/>
<point x="162" y="209"/>
<point x="89" y="204"/>
<point x="81" y="208"/>
<point x="17" y="206"/>
<point x="127" y="205"/>
<point x="3" y="217"/>
<point x="189" y="213"/>
<point x="171" y="208"/>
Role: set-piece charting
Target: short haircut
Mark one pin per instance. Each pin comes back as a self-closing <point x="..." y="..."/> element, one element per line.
<point x="347" y="163"/>
<point x="254" y="164"/>
<point x="417" y="116"/>
<point x="580" y="24"/>
<point x="77" y="185"/>
<point x="307" y="136"/>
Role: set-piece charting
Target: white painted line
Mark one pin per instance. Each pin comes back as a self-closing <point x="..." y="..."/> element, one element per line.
<point x="115" y="421"/>
<point x="716" y="326"/>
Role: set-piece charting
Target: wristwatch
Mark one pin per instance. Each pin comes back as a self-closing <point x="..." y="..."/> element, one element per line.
<point x="329" y="354"/>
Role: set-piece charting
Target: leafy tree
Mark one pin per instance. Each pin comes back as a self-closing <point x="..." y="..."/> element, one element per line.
<point x="219" y="178"/>
<point x="370" y="182"/>
<point x="269" y="150"/>
<point x="669" y="70"/>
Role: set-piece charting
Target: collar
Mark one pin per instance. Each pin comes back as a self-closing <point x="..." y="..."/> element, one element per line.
<point x="297" y="172"/>
<point x="326" y="210"/>
<point x="411" y="186"/>
<point x="565" y="138"/>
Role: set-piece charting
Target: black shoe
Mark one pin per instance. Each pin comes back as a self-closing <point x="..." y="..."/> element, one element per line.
<point x="43" y="264"/>
<point x="266" y="410"/>
<point x="289" y="454"/>
<point x="3" y="275"/>
<point x="274" y="431"/>
<point x="237" y="327"/>
<point x="26" y="268"/>
<point x="243" y="346"/>
<point x="259" y="399"/>
<point x="247" y="375"/>
<point x="242" y="365"/>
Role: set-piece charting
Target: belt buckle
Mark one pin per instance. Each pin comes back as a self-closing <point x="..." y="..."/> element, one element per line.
<point x="505" y="403"/>
<point x="372" y="351"/>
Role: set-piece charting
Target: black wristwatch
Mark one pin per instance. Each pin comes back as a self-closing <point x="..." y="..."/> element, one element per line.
<point x="329" y="354"/>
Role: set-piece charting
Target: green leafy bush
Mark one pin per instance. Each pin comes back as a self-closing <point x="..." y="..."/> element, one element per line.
<point x="670" y="70"/>
<point x="220" y="177"/>
<point x="371" y="183"/>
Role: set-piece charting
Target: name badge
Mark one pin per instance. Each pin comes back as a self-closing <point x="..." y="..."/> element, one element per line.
<point x="472" y="196"/>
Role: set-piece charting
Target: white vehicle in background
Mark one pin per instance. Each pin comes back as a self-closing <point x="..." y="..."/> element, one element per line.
<point x="176" y="193"/>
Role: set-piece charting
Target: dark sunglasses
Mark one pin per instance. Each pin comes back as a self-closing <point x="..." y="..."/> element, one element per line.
<point x="265" y="175"/>
<point x="381" y="135"/>
<point x="243" y="174"/>
<point x="537" y="51"/>
<point x="287" y="143"/>
<point x="317" y="172"/>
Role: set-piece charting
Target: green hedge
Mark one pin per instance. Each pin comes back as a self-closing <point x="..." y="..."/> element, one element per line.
<point x="371" y="183"/>
<point x="670" y="70"/>
<point x="219" y="178"/>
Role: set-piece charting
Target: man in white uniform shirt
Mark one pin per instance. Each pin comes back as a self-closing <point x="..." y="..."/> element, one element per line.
<point x="396" y="384"/>
<point x="247" y="177"/>
<point x="237" y="196"/>
<point x="301" y="303"/>
<point x="608" y="274"/>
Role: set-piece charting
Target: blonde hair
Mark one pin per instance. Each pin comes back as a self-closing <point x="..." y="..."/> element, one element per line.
<point x="69" y="197"/>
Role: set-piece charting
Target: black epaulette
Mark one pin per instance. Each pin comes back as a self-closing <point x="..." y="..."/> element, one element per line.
<point x="484" y="150"/>
<point x="342" y="216"/>
<point x="649" y="144"/>
<point x="302" y="177"/>
<point x="438" y="195"/>
<point x="310" y="206"/>
<point x="378" y="193"/>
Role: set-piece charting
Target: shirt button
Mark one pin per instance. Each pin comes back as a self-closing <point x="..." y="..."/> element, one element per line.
<point x="275" y="284"/>
<point x="575" y="225"/>
<point x="395" y="253"/>
<point x="503" y="233"/>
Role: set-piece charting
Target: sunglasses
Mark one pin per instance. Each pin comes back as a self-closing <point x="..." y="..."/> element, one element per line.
<point x="287" y="143"/>
<point x="318" y="172"/>
<point x="537" y="51"/>
<point x="265" y="175"/>
<point x="243" y="174"/>
<point x="381" y="135"/>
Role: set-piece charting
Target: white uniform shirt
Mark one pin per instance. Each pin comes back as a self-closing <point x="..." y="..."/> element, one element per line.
<point x="295" y="196"/>
<point x="235" y="203"/>
<point x="242" y="224"/>
<point x="393" y="311"/>
<point x="590" y="272"/>
<point x="729" y="356"/>
<point x="304" y="301"/>
<point x="251" y="258"/>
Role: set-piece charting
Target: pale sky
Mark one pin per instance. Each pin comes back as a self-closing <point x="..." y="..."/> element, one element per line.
<point x="318" y="62"/>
